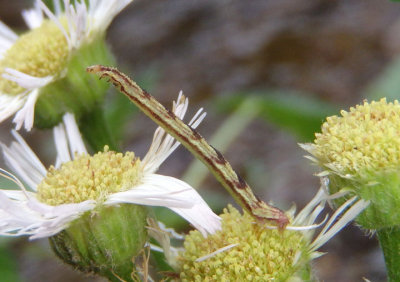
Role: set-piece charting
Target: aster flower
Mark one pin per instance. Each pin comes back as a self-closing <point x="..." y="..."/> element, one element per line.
<point x="68" y="201"/>
<point x="359" y="153"/>
<point x="245" y="251"/>
<point x="44" y="209"/>
<point x="42" y="72"/>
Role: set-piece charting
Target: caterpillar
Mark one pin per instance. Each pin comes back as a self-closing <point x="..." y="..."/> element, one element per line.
<point x="196" y="144"/>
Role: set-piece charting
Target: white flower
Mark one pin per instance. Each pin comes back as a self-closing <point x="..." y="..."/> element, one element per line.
<point x="244" y="248"/>
<point x="21" y="212"/>
<point x="40" y="57"/>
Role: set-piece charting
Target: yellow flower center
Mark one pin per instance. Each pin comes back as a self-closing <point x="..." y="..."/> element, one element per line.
<point x="41" y="52"/>
<point x="261" y="254"/>
<point x="90" y="178"/>
<point x="366" y="138"/>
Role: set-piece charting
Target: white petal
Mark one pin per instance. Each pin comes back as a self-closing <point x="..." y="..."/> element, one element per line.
<point x="74" y="136"/>
<point x="303" y="217"/>
<point x="68" y="140"/>
<point x="33" y="17"/>
<point x="61" y="142"/>
<point x="224" y="249"/>
<point x="27" y="216"/>
<point x="309" y="147"/>
<point x="57" y="7"/>
<point x="55" y="20"/>
<point x="22" y="214"/>
<point x="26" y="114"/>
<point x="159" y="190"/>
<point x="25" y="80"/>
<point x="7" y="38"/>
<point x="102" y="12"/>
<point x="10" y="104"/>
<point x="23" y="161"/>
<point x="154" y="191"/>
<point x="164" y="144"/>
<point x="331" y="229"/>
<point x="7" y="33"/>
<point x="77" y="21"/>
<point x="163" y="236"/>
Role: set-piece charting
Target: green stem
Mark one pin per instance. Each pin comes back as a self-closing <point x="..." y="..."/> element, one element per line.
<point x="96" y="131"/>
<point x="389" y="239"/>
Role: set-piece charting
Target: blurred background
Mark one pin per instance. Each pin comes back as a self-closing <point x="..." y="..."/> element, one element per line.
<point x="268" y="73"/>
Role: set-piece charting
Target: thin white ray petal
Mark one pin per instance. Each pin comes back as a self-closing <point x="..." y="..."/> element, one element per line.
<point x="170" y="231"/>
<point x="196" y="122"/>
<point x="159" y="190"/>
<point x="7" y="38"/>
<point x="26" y="114"/>
<point x="338" y="212"/>
<point x="195" y="117"/>
<point x="81" y="23"/>
<point x="163" y="144"/>
<point x="226" y="248"/>
<point x="8" y="175"/>
<point x="180" y="106"/>
<point x="57" y="7"/>
<point x="74" y="136"/>
<point x="18" y="168"/>
<point x="150" y="194"/>
<point x="163" y="236"/>
<point x="348" y="216"/>
<point x="77" y="20"/>
<point x="156" y="248"/>
<point x="29" y="154"/>
<point x="61" y="142"/>
<point x="10" y="104"/>
<point x="18" y="195"/>
<point x="33" y="17"/>
<point x="52" y="17"/>
<point x="303" y="216"/>
<point x="201" y="217"/>
<point x="21" y="159"/>
<point x="102" y="12"/>
<point x="23" y="216"/>
<point x="25" y="80"/>
<point x="6" y="33"/>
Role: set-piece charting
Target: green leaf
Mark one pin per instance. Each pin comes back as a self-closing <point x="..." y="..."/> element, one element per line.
<point x="300" y="115"/>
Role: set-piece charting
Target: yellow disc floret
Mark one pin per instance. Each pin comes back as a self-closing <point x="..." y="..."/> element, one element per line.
<point x="365" y="139"/>
<point x="41" y="52"/>
<point x="90" y="178"/>
<point x="261" y="254"/>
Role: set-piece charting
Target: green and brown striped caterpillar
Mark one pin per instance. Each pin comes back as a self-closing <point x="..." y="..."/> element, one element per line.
<point x="196" y="144"/>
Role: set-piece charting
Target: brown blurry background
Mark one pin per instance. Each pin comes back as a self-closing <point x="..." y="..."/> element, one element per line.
<point x="325" y="49"/>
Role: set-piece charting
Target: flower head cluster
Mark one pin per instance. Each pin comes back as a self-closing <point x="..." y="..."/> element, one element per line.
<point x="364" y="139"/>
<point x="359" y="151"/>
<point x="246" y="251"/>
<point x="79" y="182"/>
<point x="39" y="69"/>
